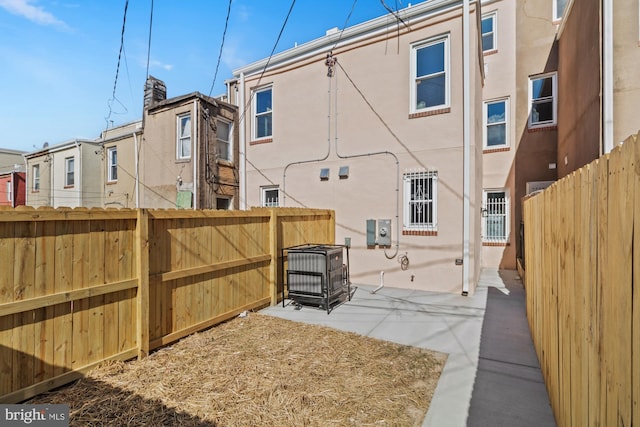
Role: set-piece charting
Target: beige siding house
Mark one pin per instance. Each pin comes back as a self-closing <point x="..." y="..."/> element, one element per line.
<point x="65" y="175"/>
<point x="188" y="155"/>
<point x="120" y="166"/>
<point x="371" y="122"/>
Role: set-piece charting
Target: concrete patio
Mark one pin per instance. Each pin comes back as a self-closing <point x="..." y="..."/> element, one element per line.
<point x="447" y="323"/>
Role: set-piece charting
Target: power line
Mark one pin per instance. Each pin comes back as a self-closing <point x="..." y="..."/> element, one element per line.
<point x="149" y="42"/>
<point x="346" y="22"/>
<point x="224" y="33"/>
<point x="115" y="82"/>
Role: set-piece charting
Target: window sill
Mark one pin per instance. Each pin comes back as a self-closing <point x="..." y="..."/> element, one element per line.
<point x="112" y="182"/>
<point x="542" y="128"/>
<point x="430" y="113"/>
<point x="496" y="244"/>
<point x="419" y="232"/>
<point x="261" y="141"/>
<point x="224" y="162"/>
<point x="35" y="191"/>
<point x="490" y="52"/>
<point x="186" y="160"/>
<point x="496" y="150"/>
<point x="69" y="186"/>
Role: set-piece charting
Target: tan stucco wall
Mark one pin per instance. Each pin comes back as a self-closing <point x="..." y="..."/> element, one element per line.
<point x="536" y="53"/>
<point x="380" y="70"/>
<point x="498" y="166"/>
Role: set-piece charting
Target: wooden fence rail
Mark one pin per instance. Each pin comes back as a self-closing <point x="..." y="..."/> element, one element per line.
<point x="582" y="248"/>
<point x="79" y="287"/>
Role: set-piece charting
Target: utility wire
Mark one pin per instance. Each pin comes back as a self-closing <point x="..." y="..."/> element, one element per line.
<point x="346" y="22"/>
<point x="224" y="33"/>
<point x="115" y="82"/>
<point x="149" y="42"/>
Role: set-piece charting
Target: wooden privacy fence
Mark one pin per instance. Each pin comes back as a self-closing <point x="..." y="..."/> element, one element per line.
<point x="582" y="248"/>
<point x="79" y="287"/>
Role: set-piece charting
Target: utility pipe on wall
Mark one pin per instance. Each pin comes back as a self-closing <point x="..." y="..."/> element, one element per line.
<point x="136" y="160"/>
<point x="242" y="162"/>
<point x="466" y="146"/>
<point x="607" y="76"/>
<point x="195" y="147"/>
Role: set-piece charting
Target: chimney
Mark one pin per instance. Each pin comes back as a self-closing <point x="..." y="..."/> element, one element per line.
<point x="154" y="91"/>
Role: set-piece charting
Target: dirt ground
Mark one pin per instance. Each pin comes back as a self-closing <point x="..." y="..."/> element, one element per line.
<point x="260" y="371"/>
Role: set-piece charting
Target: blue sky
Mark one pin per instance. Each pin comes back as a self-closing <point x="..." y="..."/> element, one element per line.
<point x="59" y="57"/>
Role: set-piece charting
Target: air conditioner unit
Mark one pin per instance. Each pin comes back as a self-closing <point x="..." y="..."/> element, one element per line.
<point x="317" y="275"/>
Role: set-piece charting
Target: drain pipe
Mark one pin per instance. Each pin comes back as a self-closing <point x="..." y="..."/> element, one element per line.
<point x="466" y="101"/>
<point x="381" y="283"/>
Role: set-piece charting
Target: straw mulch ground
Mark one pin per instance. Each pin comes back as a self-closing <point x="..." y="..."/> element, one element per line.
<point x="260" y="371"/>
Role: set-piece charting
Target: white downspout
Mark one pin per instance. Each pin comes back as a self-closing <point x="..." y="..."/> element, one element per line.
<point x="466" y="146"/>
<point x="196" y="146"/>
<point x="242" y="161"/>
<point x="607" y="77"/>
<point x="136" y="159"/>
<point x="79" y="174"/>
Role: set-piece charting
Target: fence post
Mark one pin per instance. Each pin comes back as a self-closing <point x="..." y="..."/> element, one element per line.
<point x="142" y="269"/>
<point x="273" y="250"/>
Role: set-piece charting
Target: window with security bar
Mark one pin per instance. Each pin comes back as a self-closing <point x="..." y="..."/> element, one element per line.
<point x="495" y="215"/>
<point x="420" y="200"/>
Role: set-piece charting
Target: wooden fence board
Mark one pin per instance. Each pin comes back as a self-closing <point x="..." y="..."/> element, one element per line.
<point x="583" y="303"/>
<point x="90" y="285"/>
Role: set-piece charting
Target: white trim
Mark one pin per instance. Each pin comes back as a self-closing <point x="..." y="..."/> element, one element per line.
<point x="415" y="47"/>
<point x="181" y="138"/>
<point x="35" y="178"/>
<point x="485" y="123"/>
<point x="9" y="190"/>
<point x="494" y="16"/>
<point x="111" y="164"/>
<point x="506" y="214"/>
<point x="254" y="112"/>
<point x="607" y="77"/>
<point x="229" y="141"/>
<point x="554" y="99"/>
<point x="407" y="178"/>
<point x="67" y="171"/>
<point x="263" y="195"/>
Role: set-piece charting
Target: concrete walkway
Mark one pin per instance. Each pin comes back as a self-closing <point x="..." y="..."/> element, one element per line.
<point x="447" y="323"/>
<point x="509" y="388"/>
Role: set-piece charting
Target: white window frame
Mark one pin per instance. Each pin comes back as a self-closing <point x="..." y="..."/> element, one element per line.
<point x="555" y="11"/>
<point x="256" y="115"/>
<point x="228" y="143"/>
<point x="35" y="179"/>
<point x="554" y="99"/>
<point x="69" y="172"/>
<point x="414" y="77"/>
<point x="487" y="215"/>
<point x="183" y="139"/>
<point x="494" y="17"/>
<point x="264" y="201"/>
<point x="408" y="223"/>
<point x="9" y="191"/>
<point x="486" y="124"/>
<point x="112" y="164"/>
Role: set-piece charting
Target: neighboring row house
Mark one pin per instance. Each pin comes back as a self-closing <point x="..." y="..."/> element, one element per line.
<point x="12" y="178"/>
<point x="372" y="121"/>
<point x="180" y="155"/>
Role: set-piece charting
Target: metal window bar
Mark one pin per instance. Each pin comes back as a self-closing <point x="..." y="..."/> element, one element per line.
<point x="422" y="200"/>
<point x="495" y="218"/>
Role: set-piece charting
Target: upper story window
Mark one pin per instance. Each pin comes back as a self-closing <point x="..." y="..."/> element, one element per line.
<point x="112" y="164"/>
<point x="430" y="75"/>
<point x="270" y="196"/>
<point x="420" y="201"/>
<point x="496" y="127"/>
<point x="223" y="136"/>
<point x="543" y="100"/>
<point x="35" y="179"/>
<point x="183" y="150"/>
<point x="558" y="9"/>
<point x="489" y="39"/>
<point x="69" y="172"/>
<point x="263" y="113"/>
<point x="9" y="191"/>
